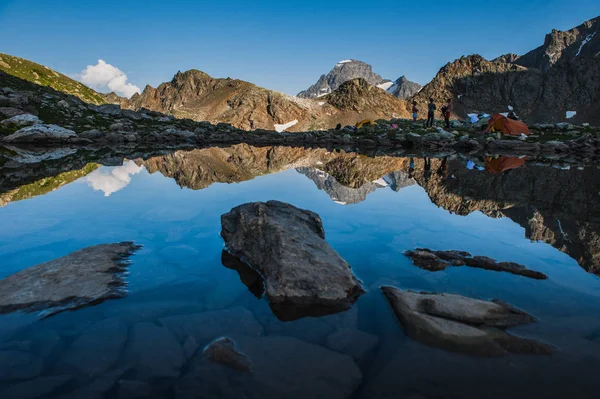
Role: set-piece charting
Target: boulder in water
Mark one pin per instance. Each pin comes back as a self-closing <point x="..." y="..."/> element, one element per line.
<point x="303" y="274"/>
<point x="460" y="324"/>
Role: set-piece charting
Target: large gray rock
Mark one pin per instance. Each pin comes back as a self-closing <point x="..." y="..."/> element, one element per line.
<point x="283" y="367"/>
<point x="84" y="277"/>
<point x="303" y="274"/>
<point x="21" y="120"/>
<point x="40" y="134"/>
<point x="95" y="351"/>
<point x="462" y="324"/>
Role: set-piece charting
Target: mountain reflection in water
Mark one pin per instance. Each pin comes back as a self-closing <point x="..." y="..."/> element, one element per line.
<point x="183" y="290"/>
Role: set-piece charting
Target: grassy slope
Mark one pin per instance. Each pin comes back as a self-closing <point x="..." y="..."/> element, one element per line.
<point x="46" y="185"/>
<point x="45" y="76"/>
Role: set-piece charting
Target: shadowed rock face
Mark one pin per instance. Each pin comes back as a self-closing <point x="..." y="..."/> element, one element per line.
<point x="561" y="75"/>
<point x="82" y="278"/>
<point x="462" y="324"/>
<point x="287" y="246"/>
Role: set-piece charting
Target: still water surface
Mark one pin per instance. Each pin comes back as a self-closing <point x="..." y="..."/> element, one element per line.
<point x="541" y="216"/>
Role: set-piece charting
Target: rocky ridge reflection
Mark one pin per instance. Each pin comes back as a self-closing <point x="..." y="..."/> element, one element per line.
<point x="555" y="205"/>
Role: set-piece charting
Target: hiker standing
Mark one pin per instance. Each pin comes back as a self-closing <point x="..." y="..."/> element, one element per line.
<point x="430" y="113"/>
<point x="415" y="111"/>
<point x="446" y="113"/>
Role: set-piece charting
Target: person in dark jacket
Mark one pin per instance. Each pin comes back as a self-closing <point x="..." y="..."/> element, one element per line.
<point x="430" y="113"/>
<point x="446" y="113"/>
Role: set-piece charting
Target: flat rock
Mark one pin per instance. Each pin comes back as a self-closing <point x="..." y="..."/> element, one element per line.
<point x="440" y="260"/>
<point x="352" y="342"/>
<point x="96" y="350"/>
<point x="19" y="365"/>
<point x="40" y="387"/>
<point x="84" y="277"/>
<point x="224" y="351"/>
<point x="206" y="326"/>
<point x="154" y="352"/>
<point x="21" y="120"/>
<point x="40" y="134"/>
<point x="283" y="367"/>
<point x="460" y="324"/>
<point x="303" y="274"/>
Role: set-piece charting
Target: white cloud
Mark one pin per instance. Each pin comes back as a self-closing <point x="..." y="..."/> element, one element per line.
<point x="104" y="76"/>
<point x="112" y="179"/>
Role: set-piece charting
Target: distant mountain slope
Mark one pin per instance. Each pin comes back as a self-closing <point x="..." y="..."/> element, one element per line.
<point x="561" y="75"/>
<point x="404" y="88"/>
<point x="198" y="96"/>
<point x="44" y="76"/>
<point x="342" y="72"/>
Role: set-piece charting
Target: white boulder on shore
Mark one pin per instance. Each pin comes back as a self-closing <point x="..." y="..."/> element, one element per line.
<point x="21" y="120"/>
<point x="40" y="132"/>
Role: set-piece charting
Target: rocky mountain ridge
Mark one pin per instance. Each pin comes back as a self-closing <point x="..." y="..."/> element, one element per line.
<point x="561" y="75"/>
<point x="195" y="95"/>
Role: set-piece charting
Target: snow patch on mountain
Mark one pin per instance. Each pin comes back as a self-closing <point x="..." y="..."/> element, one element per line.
<point x="282" y="128"/>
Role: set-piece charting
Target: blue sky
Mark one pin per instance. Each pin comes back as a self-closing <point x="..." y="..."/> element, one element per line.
<point x="281" y="45"/>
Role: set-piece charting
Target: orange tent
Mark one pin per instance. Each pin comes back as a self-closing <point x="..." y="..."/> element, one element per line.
<point x="500" y="123"/>
<point x="502" y="164"/>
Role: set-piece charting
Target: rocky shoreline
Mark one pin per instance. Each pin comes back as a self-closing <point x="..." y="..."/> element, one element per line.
<point x="57" y="120"/>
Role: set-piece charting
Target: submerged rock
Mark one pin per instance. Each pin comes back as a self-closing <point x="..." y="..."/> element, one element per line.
<point x="440" y="260"/>
<point x="460" y="324"/>
<point x="88" y="276"/>
<point x="223" y="351"/>
<point x="303" y="274"/>
<point x="40" y="134"/>
<point x="282" y="367"/>
<point x="154" y="352"/>
<point x="96" y="350"/>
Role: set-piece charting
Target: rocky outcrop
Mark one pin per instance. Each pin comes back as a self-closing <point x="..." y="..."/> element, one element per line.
<point x="21" y="120"/>
<point x="404" y="89"/>
<point x="461" y="324"/>
<point x="287" y="246"/>
<point x="43" y="134"/>
<point x="342" y="72"/>
<point x="440" y="260"/>
<point x="561" y="75"/>
<point x="88" y="276"/>
<point x="357" y="95"/>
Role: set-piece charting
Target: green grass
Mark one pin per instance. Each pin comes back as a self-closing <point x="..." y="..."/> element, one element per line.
<point x="44" y="76"/>
<point x="49" y="184"/>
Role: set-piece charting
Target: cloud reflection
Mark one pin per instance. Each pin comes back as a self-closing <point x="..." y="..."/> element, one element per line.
<point x="112" y="179"/>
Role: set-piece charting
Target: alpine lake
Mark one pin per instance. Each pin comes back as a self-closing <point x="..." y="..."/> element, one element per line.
<point x="180" y="290"/>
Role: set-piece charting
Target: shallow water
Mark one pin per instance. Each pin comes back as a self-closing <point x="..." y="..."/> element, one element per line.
<point x="537" y="214"/>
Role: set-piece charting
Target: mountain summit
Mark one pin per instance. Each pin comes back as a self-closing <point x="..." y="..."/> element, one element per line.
<point x="342" y="72"/>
